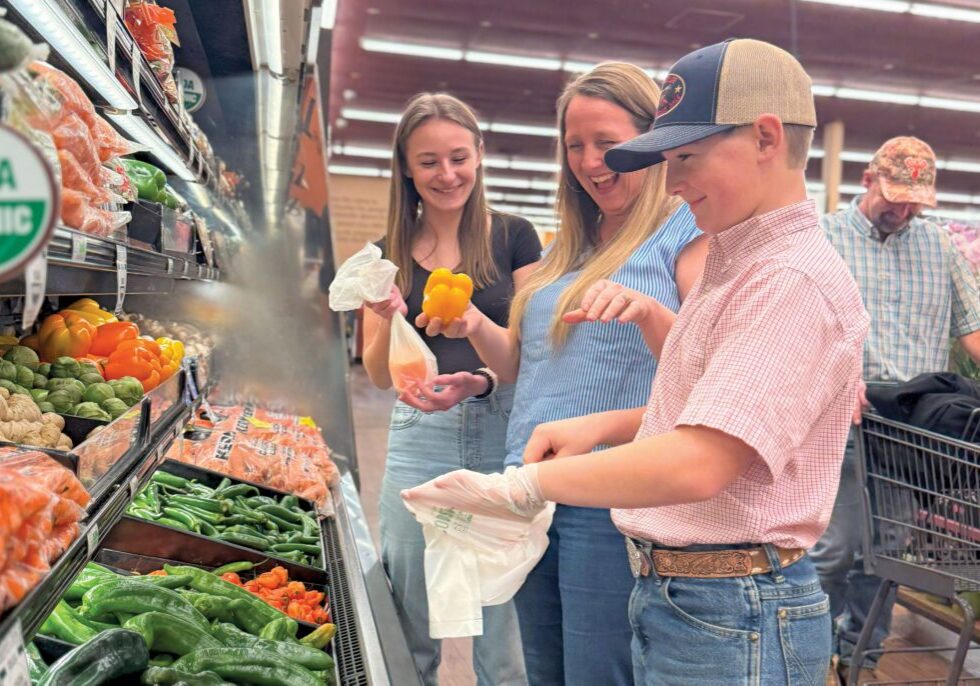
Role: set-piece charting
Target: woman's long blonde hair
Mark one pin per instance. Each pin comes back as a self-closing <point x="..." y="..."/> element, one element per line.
<point x="576" y="244"/>
<point x="405" y="206"/>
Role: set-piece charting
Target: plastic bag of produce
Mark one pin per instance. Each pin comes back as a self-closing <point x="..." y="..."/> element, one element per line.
<point x="473" y="560"/>
<point x="364" y="278"/>
<point x="71" y="95"/>
<point x="16" y="50"/>
<point x="410" y="362"/>
<point x="110" y="143"/>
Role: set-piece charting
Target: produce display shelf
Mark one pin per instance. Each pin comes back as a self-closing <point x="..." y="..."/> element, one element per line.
<point x="91" y="270"/>
<point x="39" y="602"/>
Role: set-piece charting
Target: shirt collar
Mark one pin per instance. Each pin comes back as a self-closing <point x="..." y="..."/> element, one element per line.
<point x="747" y="237"/>
<point x="864" y="226"/>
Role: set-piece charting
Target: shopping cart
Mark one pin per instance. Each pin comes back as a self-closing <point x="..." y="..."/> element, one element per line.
<point x="922" y="521"/>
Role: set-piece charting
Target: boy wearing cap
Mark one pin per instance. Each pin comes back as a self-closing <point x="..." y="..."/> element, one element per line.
<point x="919" y="291"/>
<point x="728" y="474"/>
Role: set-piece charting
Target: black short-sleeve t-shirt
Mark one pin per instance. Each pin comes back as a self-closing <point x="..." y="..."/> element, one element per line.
<point x="515" y="244"/>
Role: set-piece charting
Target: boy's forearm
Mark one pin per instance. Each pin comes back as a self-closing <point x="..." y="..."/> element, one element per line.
<point x="687" y="465"/>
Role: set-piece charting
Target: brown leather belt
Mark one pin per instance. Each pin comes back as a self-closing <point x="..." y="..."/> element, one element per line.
<point x="707" y="564"/>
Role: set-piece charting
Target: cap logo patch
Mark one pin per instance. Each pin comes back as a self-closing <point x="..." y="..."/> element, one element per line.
<point x="671" y="94"/>
<point x="915" y="166"/>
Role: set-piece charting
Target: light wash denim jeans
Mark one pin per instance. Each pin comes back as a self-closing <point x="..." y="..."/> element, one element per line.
<point x="760" y="630"/>
<point x="573" y="605"/>
<point x="421" y="447"/>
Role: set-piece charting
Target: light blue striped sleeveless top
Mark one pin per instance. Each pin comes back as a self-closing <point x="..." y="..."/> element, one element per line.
<point x="601" y="366"/>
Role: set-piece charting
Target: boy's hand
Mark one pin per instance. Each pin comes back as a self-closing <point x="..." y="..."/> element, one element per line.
<point x="460" y="327"/>
<point x="576" y="436"/>
<point x="862" y="402"/>
<point x="607" y="300"/>
<point x="386" y="308"/>
<point x="454" y="389"/>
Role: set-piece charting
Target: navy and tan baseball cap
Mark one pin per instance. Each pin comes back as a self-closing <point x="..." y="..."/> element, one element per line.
<point x="715" y="89"/>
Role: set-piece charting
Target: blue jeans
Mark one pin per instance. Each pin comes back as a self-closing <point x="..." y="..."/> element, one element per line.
<point x="573" y="605"/>
<point x="757" y="630"/>
<point x="421" y="447"/>
<point x="839" y="559"/>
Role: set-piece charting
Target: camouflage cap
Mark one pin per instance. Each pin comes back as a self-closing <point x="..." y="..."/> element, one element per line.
<point x="906" y="168"/>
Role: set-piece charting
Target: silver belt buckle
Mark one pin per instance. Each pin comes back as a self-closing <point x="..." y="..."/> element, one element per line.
<point x="639" y="566"/>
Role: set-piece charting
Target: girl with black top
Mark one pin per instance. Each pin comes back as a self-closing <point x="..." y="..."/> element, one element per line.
<point x="438" y="217"/>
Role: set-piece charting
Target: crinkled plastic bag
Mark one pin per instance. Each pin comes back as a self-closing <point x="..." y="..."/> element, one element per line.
<point x="410" y="362"/>
<point x="365" y="277"/>
<point x="474" y="561"/>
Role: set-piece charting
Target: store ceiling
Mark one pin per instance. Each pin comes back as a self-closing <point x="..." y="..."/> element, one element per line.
<point x="840" y="46"/>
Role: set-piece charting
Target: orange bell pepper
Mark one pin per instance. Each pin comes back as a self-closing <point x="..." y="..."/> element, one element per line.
<point x="138" y="358"/>
<point x="66" y="333"/>
<point x="111" y="334"/>
<point x="446" y="294"/>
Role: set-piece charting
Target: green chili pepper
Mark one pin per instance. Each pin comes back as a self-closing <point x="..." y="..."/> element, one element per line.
<point x="237" y="491"/>
<point x="243" y="566"/>
<point x="135" y="597"/>
<point x="304" y="655"/>
<point x="166" y="633"/>
<point x="185" y="518"/>
<point x="247" y="665"/>
<point x="171" y="480"/>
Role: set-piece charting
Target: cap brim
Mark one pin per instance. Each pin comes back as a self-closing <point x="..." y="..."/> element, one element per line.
<point x="900" y="193"/>
<point x="647" y="149"/>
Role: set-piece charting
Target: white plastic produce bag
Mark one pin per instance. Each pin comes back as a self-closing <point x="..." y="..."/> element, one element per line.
<point x="365" y="277"/>
<point x="474" y="560"/>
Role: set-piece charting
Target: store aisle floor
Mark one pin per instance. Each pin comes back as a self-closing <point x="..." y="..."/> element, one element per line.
<point x="372" y="410"/>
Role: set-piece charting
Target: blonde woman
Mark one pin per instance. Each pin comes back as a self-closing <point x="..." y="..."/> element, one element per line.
<point x="622" y="238"/>
<point x="438" y="217"/>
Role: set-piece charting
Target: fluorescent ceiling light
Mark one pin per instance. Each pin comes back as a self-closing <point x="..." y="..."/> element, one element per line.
<point x="820" y="90"/>
<point x="959" y="165"/>
<point x="531" y="165"/>
<point x="410" y="49"/>
<point x="949" y="104"/>
<point x="897" y="6"/>
<point x="577" y="67"/>
<point x="60" y="33"/>
<point x="504" y="182"/>
<point x="961" y="198"/>
<point x="525" y="129"/>
<point x="362" y="151"/>
<point x="507" y="60"/>
<point x="359" y="114"/>
<point x="265" y="34"/>
<point x="142" y="133"/>
<point x="924" y="9"/>
<point x="329" y="15"/>
<point x="352" y="170"/>
<point x="313" y="44"/>
<point x="855" y="156"/>
<point x="877" y="96"/>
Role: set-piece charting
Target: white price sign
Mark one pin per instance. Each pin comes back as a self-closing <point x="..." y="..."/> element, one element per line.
<point x="36" y="280"/>
<point x="92" y="540"/>
<point x="136" y="56"/>
<point x="122" y="272"/>
<point x="110" y="34"/>
<point x="79" y="247"/>
<point x="13" y="658"/>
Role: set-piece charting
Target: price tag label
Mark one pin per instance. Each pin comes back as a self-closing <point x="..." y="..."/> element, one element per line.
<point x="122" y="272"/>
<point x="110" y="34"/>
<point x="134" y="487"/>
<point x="92" y="540"/>
<point x="36" y="281"/>
<point x="79" y="247"/>
<point x="137" y="59"/>
<point x="13" y="658"/>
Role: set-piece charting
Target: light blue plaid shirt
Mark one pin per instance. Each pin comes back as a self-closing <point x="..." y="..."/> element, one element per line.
<point x="917" y="287"/>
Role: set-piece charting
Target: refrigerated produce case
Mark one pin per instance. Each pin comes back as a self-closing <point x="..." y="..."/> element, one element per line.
<point x="249" y="280"/>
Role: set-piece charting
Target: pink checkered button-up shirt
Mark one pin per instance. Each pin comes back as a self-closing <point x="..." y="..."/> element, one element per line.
<point x="767" y="348"/>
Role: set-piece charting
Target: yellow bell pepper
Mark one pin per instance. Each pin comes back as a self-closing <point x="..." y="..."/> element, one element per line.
<point x="446" y="294"/>
<point x="171" y="349"/>
<point x="92" y="312"/>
